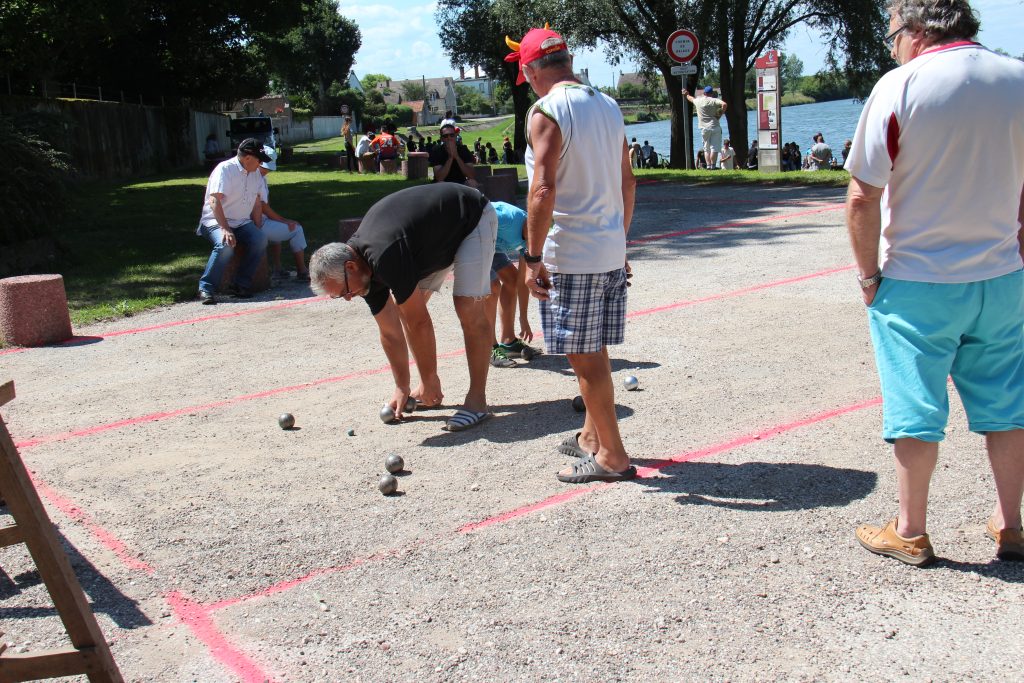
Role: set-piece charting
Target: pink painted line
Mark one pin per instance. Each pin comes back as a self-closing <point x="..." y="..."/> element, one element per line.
<point x="737" y="224"/>
<point x="154" y="417"/>
<point x="563" y="497"/>
<point x="106" y="538"/>
<point x="738" y="292"/>
<point x="177" y="323"/>
<point x="198" y="619"/>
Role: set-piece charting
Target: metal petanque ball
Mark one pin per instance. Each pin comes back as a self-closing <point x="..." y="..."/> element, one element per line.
<point x="410" y="404"/>
<point x="528" y="353"/>
<point x="394" y="463"/>
<point x="387" y="414"/>
<point x="631" y="383"/>
<point x="286" y="420"/>
<point x="387" y="485"/>
<point x="578" y="405"/>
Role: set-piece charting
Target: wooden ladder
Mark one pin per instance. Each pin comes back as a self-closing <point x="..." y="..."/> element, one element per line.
<point x="89" y="654"/>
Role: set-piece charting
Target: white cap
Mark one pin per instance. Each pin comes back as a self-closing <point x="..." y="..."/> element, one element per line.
<point x="272" y="153"/>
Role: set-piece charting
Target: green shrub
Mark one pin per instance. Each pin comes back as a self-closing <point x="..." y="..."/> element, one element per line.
<point x="34" y="184"/>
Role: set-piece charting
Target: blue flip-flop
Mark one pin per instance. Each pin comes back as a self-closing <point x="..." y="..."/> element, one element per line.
<point x="464" y="419"/>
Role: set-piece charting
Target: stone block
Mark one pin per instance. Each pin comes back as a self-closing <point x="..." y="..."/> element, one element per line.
<point x="347" y="227"/>
<point x="34" y="310"/>
<point x="389" y="166"/>
<point x="482" y="171"/>
<point x="499" y="188"/>
<point x="260" y="279"/>
<point x="368" y="164"/>
<point x="415" y="166"/>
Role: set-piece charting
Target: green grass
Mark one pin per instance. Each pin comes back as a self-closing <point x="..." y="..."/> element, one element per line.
<point x="131" y="246"/>
<point x="819" y="178"/>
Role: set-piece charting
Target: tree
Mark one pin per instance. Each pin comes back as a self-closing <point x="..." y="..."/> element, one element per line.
<point x="732" y="34"/>
<point x="471" y="100"/>
<point x="370" y="81"/>
<point x="480" y="39"/>
<point x="413" y="91"/>
<point x="202" y="50"/>
<point x="791" y="69"/>
<point x="316" y="53"/>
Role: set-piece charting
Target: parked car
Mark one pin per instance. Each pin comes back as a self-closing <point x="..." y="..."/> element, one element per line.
<point x="259" y="127"/>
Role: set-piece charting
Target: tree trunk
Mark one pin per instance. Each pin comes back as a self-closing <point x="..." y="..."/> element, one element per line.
<point x="733" y="72"/>
<point x="520" y="105"/>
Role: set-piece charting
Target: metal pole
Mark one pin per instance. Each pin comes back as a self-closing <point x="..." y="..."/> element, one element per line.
<point x="100" y="89"/>
<point x="74" y="90"/>
<point x="687" y="131"/>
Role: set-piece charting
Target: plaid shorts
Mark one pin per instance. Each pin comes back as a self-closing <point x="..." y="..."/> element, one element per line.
<point x="585" y="312"/>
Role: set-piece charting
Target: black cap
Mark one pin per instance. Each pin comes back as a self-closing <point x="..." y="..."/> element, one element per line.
<point x="253" y="147"/>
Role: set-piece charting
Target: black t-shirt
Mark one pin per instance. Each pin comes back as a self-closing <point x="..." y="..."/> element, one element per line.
<point x="439" y="157"/>
<point x="413" y="233"/>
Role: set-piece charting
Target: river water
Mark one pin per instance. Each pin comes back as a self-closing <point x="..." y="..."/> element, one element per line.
<point x="835" y="120"/>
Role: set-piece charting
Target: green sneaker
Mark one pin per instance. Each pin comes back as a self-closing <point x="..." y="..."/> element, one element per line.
<point x="500" y="359"/>
<point x="514" y="349"/>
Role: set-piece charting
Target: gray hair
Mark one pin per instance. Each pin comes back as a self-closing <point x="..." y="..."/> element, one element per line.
<point x="937" y="20"/>
<point x="562" y="58"/>
<point x="328" y="263"/>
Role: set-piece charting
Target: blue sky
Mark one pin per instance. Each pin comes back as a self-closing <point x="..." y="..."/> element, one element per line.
<point x="400" y="40"/>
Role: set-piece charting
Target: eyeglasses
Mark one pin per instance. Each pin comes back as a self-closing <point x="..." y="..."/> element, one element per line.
<point x="890" y="40"/>
<point x="344" y="272"/>
<point x="447" y="135"/>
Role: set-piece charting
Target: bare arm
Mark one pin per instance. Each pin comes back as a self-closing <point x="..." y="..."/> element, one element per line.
<point x="1020" y="221"/>
<point x="274" y="215"/>
<point x="216" y="200"/>
<point x="864" y="223"/>
<point x="688" y="95"/>
<point x="628" y="188"/>
<point x="546" y="138"/>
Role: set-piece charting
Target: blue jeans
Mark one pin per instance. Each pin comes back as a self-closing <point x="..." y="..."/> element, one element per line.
<point x="247" y="235"/>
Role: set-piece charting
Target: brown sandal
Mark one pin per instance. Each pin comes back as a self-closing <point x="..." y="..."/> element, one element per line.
<point x="916" y="551"/>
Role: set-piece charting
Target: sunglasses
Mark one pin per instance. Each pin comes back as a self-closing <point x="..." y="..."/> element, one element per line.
<point x="445" y="136"/>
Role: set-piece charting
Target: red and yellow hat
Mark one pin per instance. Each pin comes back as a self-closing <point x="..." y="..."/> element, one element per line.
<point x="537" y="43"/>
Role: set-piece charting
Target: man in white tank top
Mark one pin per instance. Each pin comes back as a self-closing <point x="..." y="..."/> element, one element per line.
<point x="578" y="212"/>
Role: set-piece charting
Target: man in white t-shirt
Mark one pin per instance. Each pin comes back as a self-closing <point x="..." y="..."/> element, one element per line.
<point x="939" y="250"/>
<point x="231" y="195"/>
<point x="579" y="208"/>
<point x="709" y="110"/>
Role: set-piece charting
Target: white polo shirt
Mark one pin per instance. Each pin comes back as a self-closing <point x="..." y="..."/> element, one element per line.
<point x="588" y="234"/>
<point x="240" y="190"/>
<point x="944" y="134"/>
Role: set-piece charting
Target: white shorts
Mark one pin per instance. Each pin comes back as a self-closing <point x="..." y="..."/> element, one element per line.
<point x="712" y="138"/>
<point x="276" y="231"/>
<point x="472" y="264"/>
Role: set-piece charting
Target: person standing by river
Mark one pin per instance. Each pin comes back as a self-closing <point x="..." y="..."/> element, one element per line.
<point x="709" y="111"/>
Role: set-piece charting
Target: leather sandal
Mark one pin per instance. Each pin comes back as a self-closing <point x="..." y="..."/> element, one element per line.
<point x="916" y="551"/>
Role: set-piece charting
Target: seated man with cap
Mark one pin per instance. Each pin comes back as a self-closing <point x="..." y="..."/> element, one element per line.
<point x="231" y="195"/>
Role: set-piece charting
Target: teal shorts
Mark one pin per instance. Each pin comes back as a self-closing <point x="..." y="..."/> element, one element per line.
<point x="925" y="332"/>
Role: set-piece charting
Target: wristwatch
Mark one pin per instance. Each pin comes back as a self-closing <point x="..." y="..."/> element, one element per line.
<point x="870" y="281"/>
<point x="532" y="259"/>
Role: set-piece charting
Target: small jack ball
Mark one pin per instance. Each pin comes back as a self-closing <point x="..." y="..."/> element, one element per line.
<point x="528" y="353"/>
<point x="578" y="405"/>
<point x="286" y="420"/>
<point x="387" y="414"/>
<point x="387" y="485"/>
<point x="631" y="383"/>
<point x="410" y="404"/>
<point x="351" y="432"/>
<point x="394" y="463"/>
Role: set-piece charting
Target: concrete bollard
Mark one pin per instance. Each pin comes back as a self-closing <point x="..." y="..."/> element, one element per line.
<point x="260" y="279"/>
<point x="34" y="310"/>
<point x="415" y="166"/>
<point x="499" y="188"/>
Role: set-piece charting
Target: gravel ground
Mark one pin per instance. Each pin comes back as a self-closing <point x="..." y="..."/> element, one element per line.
<point x="251" y="553"/>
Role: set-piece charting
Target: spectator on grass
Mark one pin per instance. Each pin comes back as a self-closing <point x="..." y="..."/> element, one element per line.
<point x="939" y="256"/>
<point x="645" y="154"/>
<point x="728" y="155"/>
<point x="752" y="156"/>
<point x="277" y="228"/>
<point x="492" y="154"/>
<point x="508" y="155"/>
<point x="350" y="150"/>
<point x="232" y="191"/>
<point x="820" y="157"/>
<point x="212" y="148"/>
<point x="386" y="145"/>
<point x="452" y="162"/>
<point x="709" y="111"/>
